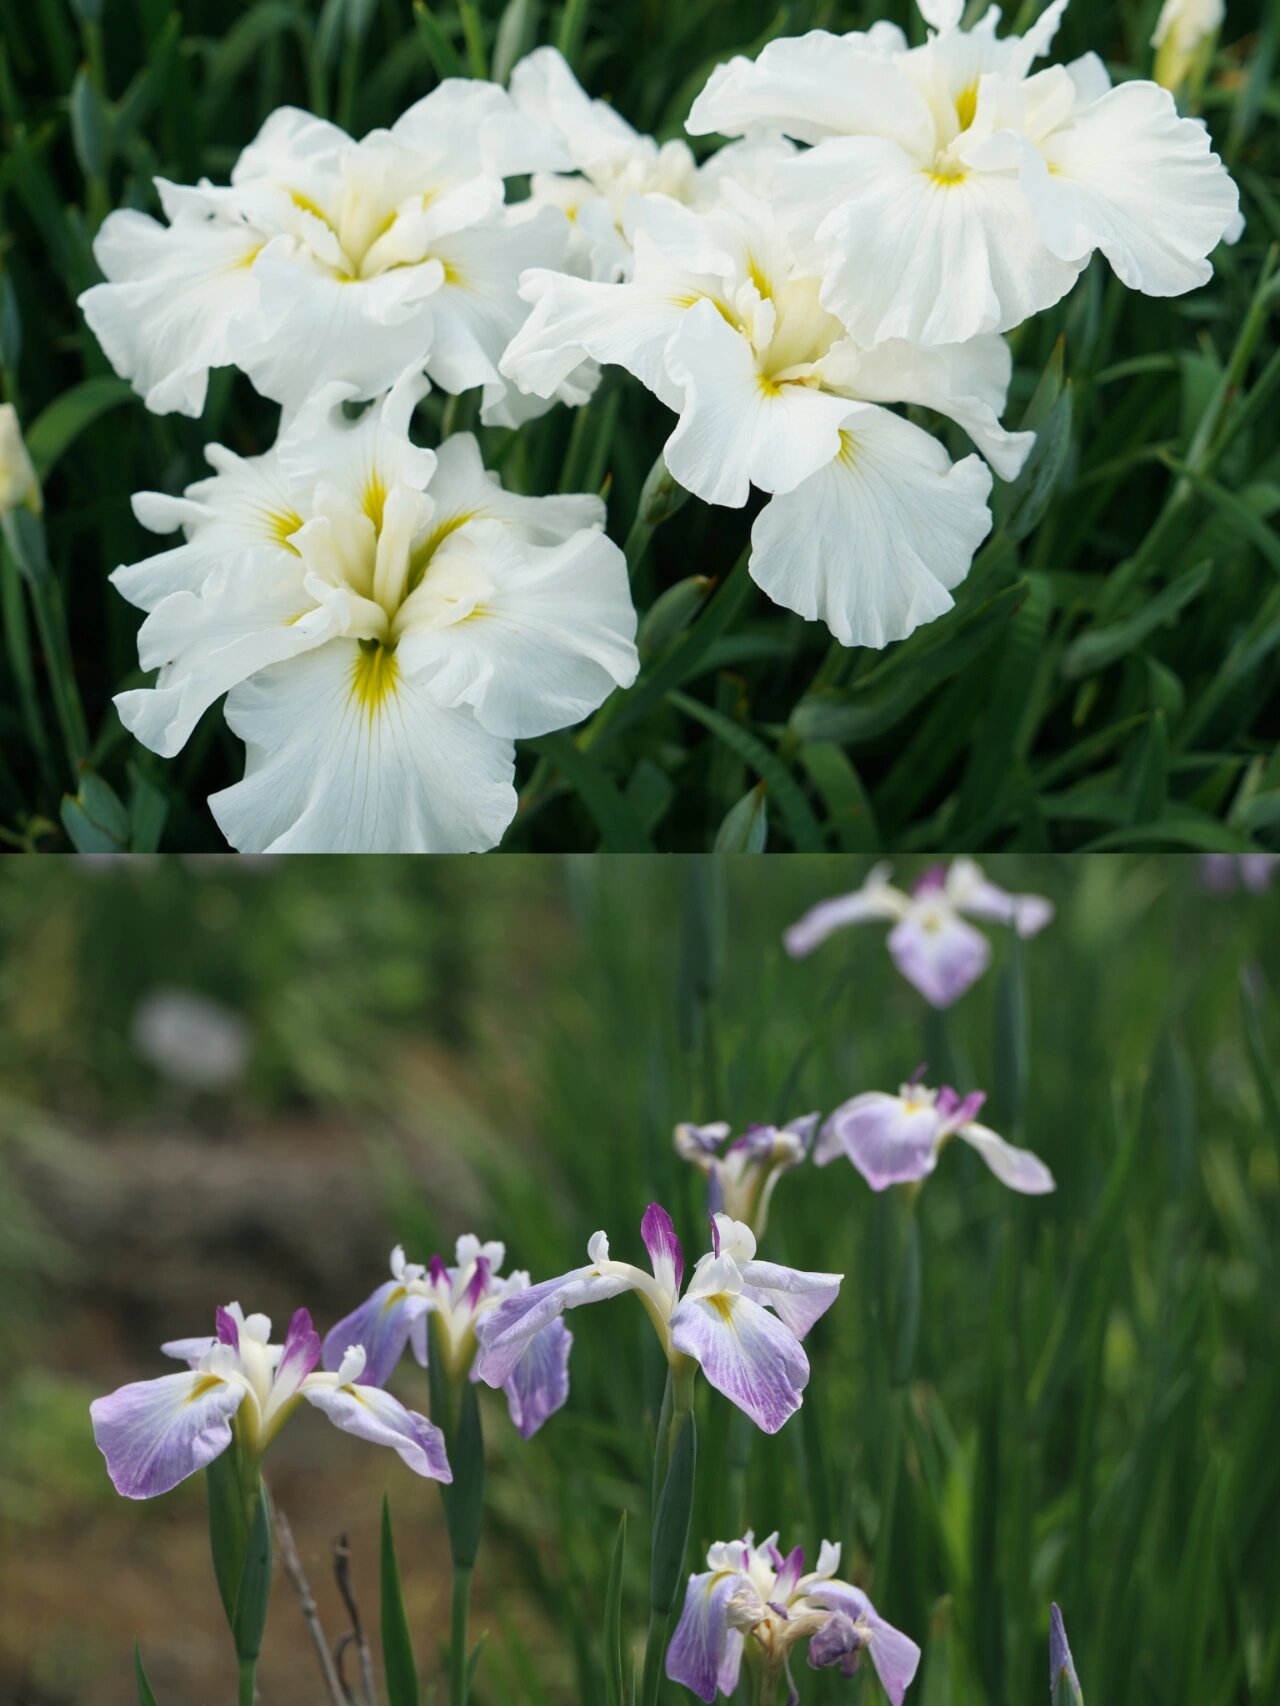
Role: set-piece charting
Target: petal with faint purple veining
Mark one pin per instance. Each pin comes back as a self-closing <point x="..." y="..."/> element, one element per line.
<point x="539" y="1383"/>
<point x="154" y="1433"/>
<point x="939" y="954"/>
<point x="372" y="1414"/>
<point x="888" y="1140"/>
<point x="895" y="1655"/>
<point x="381" y="1325"/>
<point x="705" y="1653"/>
<point x="1017" y="1168"/>
<point x="665" y="1254"/>
<point x="796" y="1297"/>
<point x="504" y="1333"/>
<point x="746" y="1353"/>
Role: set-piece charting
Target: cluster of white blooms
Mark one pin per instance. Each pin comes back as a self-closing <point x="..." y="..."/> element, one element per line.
<point x="386" y="620"/>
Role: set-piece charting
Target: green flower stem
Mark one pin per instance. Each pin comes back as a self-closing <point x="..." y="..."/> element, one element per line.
<point x="674" y="1464"/>
<point x="248" y="1690"/>
<point x="456" y="1411"/>
<point x="459" y="1649"/>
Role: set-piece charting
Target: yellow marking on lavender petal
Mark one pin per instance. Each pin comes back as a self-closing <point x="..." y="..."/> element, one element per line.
<point x="394" y="1297"/>
<point x="375" y="677"/>
<point x="722" y="1303"/>
<point x="206" y="1383"/>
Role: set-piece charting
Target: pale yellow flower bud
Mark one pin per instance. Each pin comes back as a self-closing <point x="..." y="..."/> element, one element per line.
<point x="1185" y="35"/>
<point x="18" y="483"/>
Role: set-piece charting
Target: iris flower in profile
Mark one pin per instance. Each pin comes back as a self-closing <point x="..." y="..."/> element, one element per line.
<point x="457" y="1299"/>
<point x="896" y="1140"/>
<point x="238" y="1386"/>
<point x="750" y="1600"/>
<point x="741" y="1174"/>
<point x="932" y="944"/>
<point x="739" y="1319"/>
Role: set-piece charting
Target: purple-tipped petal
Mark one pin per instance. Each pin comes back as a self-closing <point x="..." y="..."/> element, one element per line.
<point x="505" y="1333"/>
<point x="227" y="1328"/>
<point x="873" y="900"/>
<point x="300" y="1355"/>
<point x="895" y="1655"/>
<point x="381" y="1325"/>
<point x="889" y="1141"/>
<point x="956" y="1110"/>
<point x="154" y="1433"/>
<point x="939" y="954"/>
<point x="665" y="1254"/>
<point x="1017" y="1168"/>
<point x="746" y="1353"/>
<point x="705" y="1653"/>
<point x="372" y="1414"/>
<point x="797" y="1298"/>
<point x="539" y="1383"/>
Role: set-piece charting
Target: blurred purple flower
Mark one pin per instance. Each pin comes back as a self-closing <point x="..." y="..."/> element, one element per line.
<point x="1222" y="873"/>
<point x="753" y="1594"/>
<point x="894" y="1140"/>
<point x="458" y="1298"/>
<point x="932" y="945"/>
<point x="741" y="1177"/>
<point x="238" y="1385"/>
<point x="739" y="1319"/>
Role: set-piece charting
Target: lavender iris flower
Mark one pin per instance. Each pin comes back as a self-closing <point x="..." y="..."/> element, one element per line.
<point x="1221" y="873"/>
<point x="932" y="944"/>
<point x="458" y="1298"/>
<point x="753" y="1602"/>
<point x="894" y="1140"/>
<point x="739" y="1319"/>
<point x="238" y="1385"/>
<point x="741" y="1177"/>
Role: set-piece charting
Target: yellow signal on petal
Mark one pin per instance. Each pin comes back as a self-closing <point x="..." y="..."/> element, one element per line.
<point x="375" y="677"/>
<point x="967" y="105"/>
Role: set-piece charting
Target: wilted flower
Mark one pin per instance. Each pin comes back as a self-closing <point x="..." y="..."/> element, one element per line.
<point x="1184" y="38"/>
<point x="893" y="1140"/>
<point x="751" y="1601"/>
<point x="870" y="523"/>
<point x="951" y="190"/>
<point x="387" y="620"/>
<point x="238" y="1385"/>
<point x="456" y="1299"/>
<point x="741" y="1177"/>
<point x="328" y="259"/>
<point x="190" y="1039"/>
<point x="1221" y="873"/>
<point x="18" y="483"/>
<point x="931" y="944"/>
<point x="740" y="1320"/>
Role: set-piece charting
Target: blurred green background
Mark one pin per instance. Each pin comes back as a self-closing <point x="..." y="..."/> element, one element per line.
<point x="398" y="1049"/>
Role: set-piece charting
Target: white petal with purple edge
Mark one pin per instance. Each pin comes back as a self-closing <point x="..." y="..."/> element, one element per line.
<point x="746" y="1353"/>
<point x="539" y="1384"/>
<point x="154" y="1433"/>
<point x="877" y="898"/>
<point x="507" y="1331"/>
<point x="381" y="1325"/>
<point x="1017" y="1168"/>
<point x="887" y="1141"/>
<point x="895" y="1655"/>
<point x="705" y="1653"/>
<point x="797" y="1298"/>
<point x="941" y="959"/>
<point x="372" y="1414"/>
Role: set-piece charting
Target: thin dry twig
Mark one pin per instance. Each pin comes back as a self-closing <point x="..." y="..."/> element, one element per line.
<point x="342" y="1574"/>
<point x="310" y="1612"/>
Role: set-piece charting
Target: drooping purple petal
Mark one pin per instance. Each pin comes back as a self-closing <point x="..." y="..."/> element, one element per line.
<point x="705" y="1653"/>
<point x="539" y="1383"/>
<point x="875" y="899"/>
<point x="1017" y="1168"/>
<point x="1060" y="1661"/>
<point x="505" y="1333"/>
<point x="381" y="1325"/>
<point x="939" y="954"/>
<point x="665" y="1254"/>
<point x="796" y="1297"/>
<point x="372" y="1414"/>
<point x="888" y="1140"/>
<point x="746" y="1353"/>
<point x="154" y="1433"/>
<point x="838" y="1642"/>
<point x="895" y="1655"/>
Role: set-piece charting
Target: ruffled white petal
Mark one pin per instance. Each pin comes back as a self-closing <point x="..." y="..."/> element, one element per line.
<point x="874" y="542"/>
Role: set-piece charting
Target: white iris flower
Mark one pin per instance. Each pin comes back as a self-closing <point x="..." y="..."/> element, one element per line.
<point x="871" y="524"/>
<point x="384" y="619"/>
<point x="951" y="190"/>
